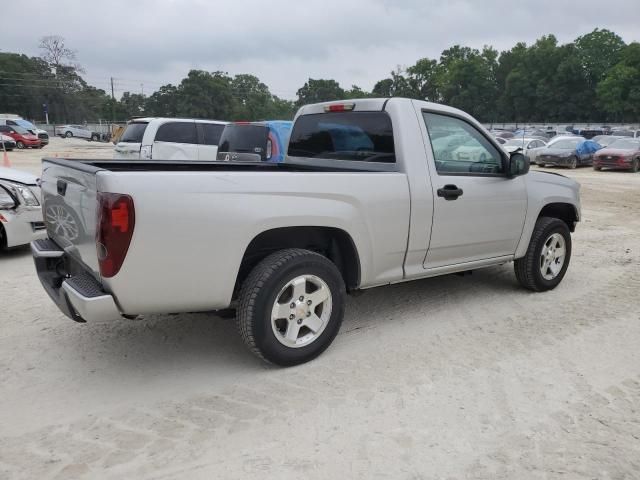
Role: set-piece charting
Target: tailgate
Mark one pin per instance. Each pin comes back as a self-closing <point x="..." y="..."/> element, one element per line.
<point x="69" y="208"/>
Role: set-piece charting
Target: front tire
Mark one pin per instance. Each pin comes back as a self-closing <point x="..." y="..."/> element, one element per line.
<point x="20" y="145"/>
<point x="544" y="265"/>
<point x="635" y="165"/>
<point x="68" y="134"/>
<point x="291" y="306"/>
<point x="573" y="163"/>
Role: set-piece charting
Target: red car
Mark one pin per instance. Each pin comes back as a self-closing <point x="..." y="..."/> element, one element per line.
<point x="623" y="154"/>
<point x="22" y="136"/>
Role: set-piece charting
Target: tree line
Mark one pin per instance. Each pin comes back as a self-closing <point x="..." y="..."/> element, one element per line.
<point x="595" y="78"/>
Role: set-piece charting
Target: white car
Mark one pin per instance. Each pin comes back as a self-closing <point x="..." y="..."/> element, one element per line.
<point x="170" y="139"/>
<point x="528" y="146"/>
<point x="77" y="131"/>
<point x="20" y="210"/>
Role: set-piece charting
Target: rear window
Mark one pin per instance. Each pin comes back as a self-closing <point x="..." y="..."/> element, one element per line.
<point x="243" y="139"/>
<point x="211" y="133"/>
<point x="356" y="136"/>
<point x="134" y="132"/>
<point x="177" y="132"/>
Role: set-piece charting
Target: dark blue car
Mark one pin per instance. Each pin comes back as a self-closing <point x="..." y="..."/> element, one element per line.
<point x="254" y="141"/>
<point x="568" y="152"/>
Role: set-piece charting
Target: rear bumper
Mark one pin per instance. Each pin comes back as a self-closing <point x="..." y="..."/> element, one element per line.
<point x="76" y="293"/>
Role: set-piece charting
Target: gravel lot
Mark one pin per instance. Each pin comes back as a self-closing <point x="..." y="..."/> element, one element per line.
<point x="446" y="378"/>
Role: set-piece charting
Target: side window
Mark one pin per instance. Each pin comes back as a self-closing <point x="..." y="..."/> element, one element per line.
<point x="4" y="128"/>
<point x="177" y="132"/>
<point x="459" y="148"/>
<point x="211" y="133"/>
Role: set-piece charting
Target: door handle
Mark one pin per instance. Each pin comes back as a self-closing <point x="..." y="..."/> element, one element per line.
<point x="450" y="192"/>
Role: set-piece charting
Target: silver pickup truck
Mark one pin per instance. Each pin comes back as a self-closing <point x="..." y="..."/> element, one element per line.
<point x="372" y="192"/>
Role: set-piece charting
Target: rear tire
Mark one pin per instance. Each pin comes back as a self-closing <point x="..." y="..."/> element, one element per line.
<point x="20" y="145"/>
<point x="273" y="314"/>
<point x="529" y="269"/>
<point x="573" y="163"/>
<point x="635" y="165"/>
<point x="597" y="169"/>
<point x="68" y="134"/>
<point x="95" y="138"/>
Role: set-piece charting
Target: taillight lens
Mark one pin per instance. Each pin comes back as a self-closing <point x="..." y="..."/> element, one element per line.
<point x="116" y="221"/>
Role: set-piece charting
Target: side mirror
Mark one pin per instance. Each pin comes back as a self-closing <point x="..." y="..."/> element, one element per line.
<point x="517" y="165"/>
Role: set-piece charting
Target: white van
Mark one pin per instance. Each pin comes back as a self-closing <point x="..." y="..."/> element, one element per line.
<point x="16" y="120"/>
<point x="169" y="139"/>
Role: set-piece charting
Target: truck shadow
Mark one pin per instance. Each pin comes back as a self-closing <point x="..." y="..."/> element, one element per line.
<point x="15" y="252"/>
<point x="203" y="341"/>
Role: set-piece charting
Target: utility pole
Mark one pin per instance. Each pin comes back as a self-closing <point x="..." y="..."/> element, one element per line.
<point x="113" y="103"/>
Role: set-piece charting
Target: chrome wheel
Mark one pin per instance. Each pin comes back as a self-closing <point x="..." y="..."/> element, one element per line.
<point x="552" y="256"/>
<point x="62" y="222"/>
<point x="301" y="311"/>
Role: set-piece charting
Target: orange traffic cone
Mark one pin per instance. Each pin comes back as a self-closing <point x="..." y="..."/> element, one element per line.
<point x="5" y="160"/>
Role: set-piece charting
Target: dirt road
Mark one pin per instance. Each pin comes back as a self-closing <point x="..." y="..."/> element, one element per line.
<point x="447" y="378"/>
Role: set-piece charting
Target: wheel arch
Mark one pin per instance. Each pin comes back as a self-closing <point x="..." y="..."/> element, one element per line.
<point x="563" y="211"/>
<point x="334" y="243"/>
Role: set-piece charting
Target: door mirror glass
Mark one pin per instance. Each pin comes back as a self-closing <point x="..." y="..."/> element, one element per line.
<point x="517" y="165"/>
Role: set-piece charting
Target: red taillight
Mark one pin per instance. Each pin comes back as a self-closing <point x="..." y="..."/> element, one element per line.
<point x="339" y="107"/>
<point x="116" y="221"/>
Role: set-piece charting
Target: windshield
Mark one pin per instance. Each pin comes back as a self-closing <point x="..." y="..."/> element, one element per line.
<point x="625" y="144"/>
<point x="25" y="124"/>
<point x="243" y="139"/>
<point x="568" y="144"/>
<point x="20" y="130"/>
<point x="134" y="132"/>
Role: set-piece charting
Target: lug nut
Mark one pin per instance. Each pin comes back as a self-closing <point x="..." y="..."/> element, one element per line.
<point x="299" y="321"/>
<point x="308" y="314"/>
<point x="308" y="302"/>
<point x="301" y="298"/>
<point x="291" y="317"/>
<point x="293" y="305"/>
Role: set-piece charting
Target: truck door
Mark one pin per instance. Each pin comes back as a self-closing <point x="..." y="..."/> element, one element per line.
<point x="176" y="141"/>
<point x="478" y="211"/>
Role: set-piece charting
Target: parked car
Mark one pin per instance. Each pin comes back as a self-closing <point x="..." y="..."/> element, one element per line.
<point x="364" y="198"/>
<point x="22" y="136"/>
<point x="500" y="140"/>
<point x="254" y="141"/>
<point x="7" y="143"/>
<point x="77" y="131"/>
<point x="170" y="139"/>
<point x="589" y="133"/>
<point x="568" y="152"/>
<point x="10" y="119"/>
<point x="20" y="210"/>
<point x="626" y="132"/>
<point x="623" y="154"/>
<point x="605" y="140"/>
<point x="528" y="146"/>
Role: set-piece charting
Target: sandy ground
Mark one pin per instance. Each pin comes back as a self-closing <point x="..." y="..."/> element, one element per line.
<point x="447" y="378"/>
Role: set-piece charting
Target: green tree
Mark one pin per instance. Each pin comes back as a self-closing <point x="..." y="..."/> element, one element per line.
<point x="619" y="91"/>
<point x="253" y="101"/>
<point x="206" y="95"/>
<point x="163" y="102"/>
<point x="320" y="90"/>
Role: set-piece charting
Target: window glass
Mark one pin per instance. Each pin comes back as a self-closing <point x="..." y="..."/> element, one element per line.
<point x="459" y="148"/>
<point x="211" y="133"/>
<point x="177" y="132"/>
<point x="134" y="132"/>
<point x="356" y="136"/>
